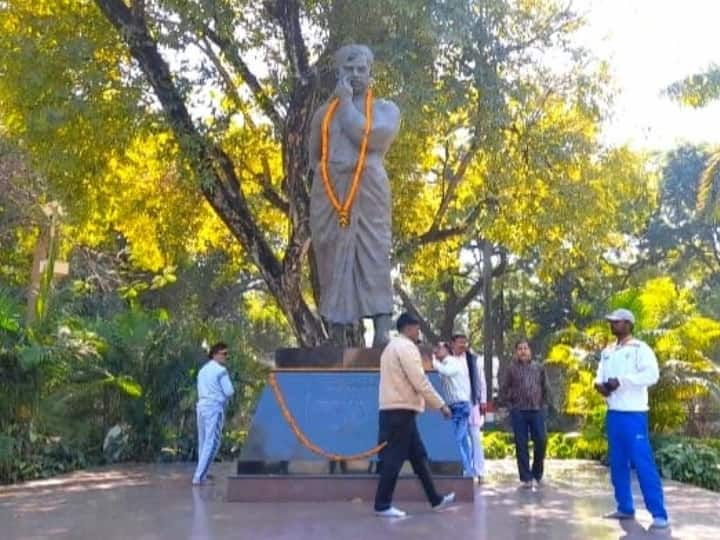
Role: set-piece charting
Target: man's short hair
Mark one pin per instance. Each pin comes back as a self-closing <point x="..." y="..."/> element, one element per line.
<point x="406" y="320"/>
<point x="352" y="51"/>
<point x="520" y="342"/>
<point x="219" y="346"/>
<point x="457" y="336"/>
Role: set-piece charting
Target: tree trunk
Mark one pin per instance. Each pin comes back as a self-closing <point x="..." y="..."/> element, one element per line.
<point x="488" y="317"/>
<point x="500" y="321"/>
<point x="216" y="172"/>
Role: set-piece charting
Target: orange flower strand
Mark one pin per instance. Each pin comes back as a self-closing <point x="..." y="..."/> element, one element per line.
<point x="287" y="415"/>
<point x="345" y="208"/>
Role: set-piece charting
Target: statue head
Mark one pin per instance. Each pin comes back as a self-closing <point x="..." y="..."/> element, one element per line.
<point x="355" y="62"/>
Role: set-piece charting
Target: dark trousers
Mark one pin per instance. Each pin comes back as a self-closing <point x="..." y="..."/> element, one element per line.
<point x="398" y="428"/>
<point x="532" y="423"/>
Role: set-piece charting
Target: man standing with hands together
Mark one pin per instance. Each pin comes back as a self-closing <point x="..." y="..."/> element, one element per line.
<point x="627" y="368"/>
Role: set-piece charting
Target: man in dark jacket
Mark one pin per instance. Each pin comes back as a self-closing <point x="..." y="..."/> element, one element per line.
<point x="524" y="391"/>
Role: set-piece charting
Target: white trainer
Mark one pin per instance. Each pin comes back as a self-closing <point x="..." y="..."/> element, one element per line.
<point x="391" y="512"/>
<point x="447" y="500"/>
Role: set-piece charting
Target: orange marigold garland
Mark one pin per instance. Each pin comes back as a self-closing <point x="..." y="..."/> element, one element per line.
<point x="287" y="415"/>
<point x="343" y="209"/>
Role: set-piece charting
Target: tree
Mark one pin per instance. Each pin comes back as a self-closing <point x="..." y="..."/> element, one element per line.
<point x="697" y="91"/>
<point x="500" y="146"/>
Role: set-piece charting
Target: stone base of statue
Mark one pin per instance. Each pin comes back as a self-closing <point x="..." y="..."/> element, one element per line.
<point x="315" y="428"/>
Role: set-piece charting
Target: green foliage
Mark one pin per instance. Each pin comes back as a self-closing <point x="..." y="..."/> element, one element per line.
<point x="498" y="444"/>
<point x="683" y="340"/>
<point x="697" y="90"/>
<point x="576" y="446"/>
<point x="691" y="461"/>
<point x="501" y="141"/>
<point x="131" y="374"/>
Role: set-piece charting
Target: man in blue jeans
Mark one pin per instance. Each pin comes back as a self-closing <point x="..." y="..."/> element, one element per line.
<point x="455" y="379"/>
<point x="627" y="368"/>
<point x="524" y="391"/>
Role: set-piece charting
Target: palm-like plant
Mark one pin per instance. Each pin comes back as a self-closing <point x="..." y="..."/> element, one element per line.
<point x="697" y="91"/>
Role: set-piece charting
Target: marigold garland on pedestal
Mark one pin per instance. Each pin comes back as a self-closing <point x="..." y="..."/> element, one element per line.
<point x="287" y="415"/>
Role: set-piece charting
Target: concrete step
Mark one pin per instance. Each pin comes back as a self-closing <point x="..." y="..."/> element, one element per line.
<point x="336" y="487"/>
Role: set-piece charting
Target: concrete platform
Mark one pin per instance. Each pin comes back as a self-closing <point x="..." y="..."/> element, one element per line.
<point x="336" y="487"/>
<point x="157" y="503"/>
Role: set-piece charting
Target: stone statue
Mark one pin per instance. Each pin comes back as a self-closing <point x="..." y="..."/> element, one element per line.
<point x="350" y="207"/>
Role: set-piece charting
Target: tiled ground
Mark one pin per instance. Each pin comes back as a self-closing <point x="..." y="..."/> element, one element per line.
<point x="157" y="503"/>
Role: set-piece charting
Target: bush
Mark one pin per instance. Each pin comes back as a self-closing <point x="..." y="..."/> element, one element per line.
<point x="21" y="460"/>
<point x="498" y="444"/>
<point x="576" y="446"/>
<point x="693" y="461"/>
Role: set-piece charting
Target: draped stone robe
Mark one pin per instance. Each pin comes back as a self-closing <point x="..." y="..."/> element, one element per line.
<point x="353" y="262"/>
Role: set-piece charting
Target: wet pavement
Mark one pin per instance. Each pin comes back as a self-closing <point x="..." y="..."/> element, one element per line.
<point x="156" y="502"/>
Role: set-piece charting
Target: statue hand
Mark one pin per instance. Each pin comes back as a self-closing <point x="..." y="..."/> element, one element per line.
<point x="343" y="88"/>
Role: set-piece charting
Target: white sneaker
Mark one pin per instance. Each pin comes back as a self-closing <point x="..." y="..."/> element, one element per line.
<point x="447" y="500"/>
<point x="526" y="485"/>
<point x="391" y="512"/>
<point x="659" y="523"/>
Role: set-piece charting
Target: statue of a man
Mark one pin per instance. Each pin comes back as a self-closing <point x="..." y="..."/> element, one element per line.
<point x="350" y="207"/>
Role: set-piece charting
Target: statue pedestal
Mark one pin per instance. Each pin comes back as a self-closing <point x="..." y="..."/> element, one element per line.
<point x="332" y="396"/>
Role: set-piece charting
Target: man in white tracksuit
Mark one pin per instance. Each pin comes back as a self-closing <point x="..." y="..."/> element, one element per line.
<point x="214" y="390"/>
<point x="627" y="369"/>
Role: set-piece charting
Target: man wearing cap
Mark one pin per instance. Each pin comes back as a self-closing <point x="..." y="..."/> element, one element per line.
<point x="627" y="368"/>
<point x="404" y="389"/>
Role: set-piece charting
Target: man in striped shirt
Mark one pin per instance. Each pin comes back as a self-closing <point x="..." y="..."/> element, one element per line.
<point x="525" y="392"/>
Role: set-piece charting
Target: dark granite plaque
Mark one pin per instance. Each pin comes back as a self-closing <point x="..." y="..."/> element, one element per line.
<point x="331" y="357"/>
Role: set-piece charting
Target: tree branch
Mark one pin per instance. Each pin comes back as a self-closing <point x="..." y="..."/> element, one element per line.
<point x="454" y="180"/>
<point x="265" y="178"/>
<point x="425" y="326"/>
<point x="219" y="182"/>
<point x="438" y="235"/>
<point x="287" y="14"/>
<point x="231" y="52"/>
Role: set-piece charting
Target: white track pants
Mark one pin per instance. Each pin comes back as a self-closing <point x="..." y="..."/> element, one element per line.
<point x="209" y="422"/>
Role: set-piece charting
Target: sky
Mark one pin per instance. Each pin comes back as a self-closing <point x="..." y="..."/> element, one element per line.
<point x="649" y="45"/>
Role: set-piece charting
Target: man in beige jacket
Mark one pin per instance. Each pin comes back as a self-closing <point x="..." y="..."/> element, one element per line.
<point x="404" y="389"/>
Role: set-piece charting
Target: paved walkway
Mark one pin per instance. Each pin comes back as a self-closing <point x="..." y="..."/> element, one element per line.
<point x="157" y="503"/>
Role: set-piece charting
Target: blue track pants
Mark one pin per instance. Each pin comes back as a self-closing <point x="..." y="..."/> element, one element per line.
<point x="629" y="444"/>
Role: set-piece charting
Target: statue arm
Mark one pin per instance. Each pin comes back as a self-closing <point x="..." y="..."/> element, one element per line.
<point x="385" y="127"/>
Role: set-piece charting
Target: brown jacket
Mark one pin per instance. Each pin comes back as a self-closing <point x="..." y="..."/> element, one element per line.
<point x="525" y="386"/>
<point x="403" y="384"/>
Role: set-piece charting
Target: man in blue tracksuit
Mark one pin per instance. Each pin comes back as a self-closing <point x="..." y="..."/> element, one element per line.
<point x="627" y="368"/>
<point x="214" y="390"/>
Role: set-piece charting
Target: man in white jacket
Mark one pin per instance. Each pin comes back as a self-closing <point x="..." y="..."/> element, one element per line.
<point x="464" y="387"/>
<point x="627" y="368"/>
<point x="214" y="390"/>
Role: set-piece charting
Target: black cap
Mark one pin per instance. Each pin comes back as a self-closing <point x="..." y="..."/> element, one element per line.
<point x="406" y="320"/>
